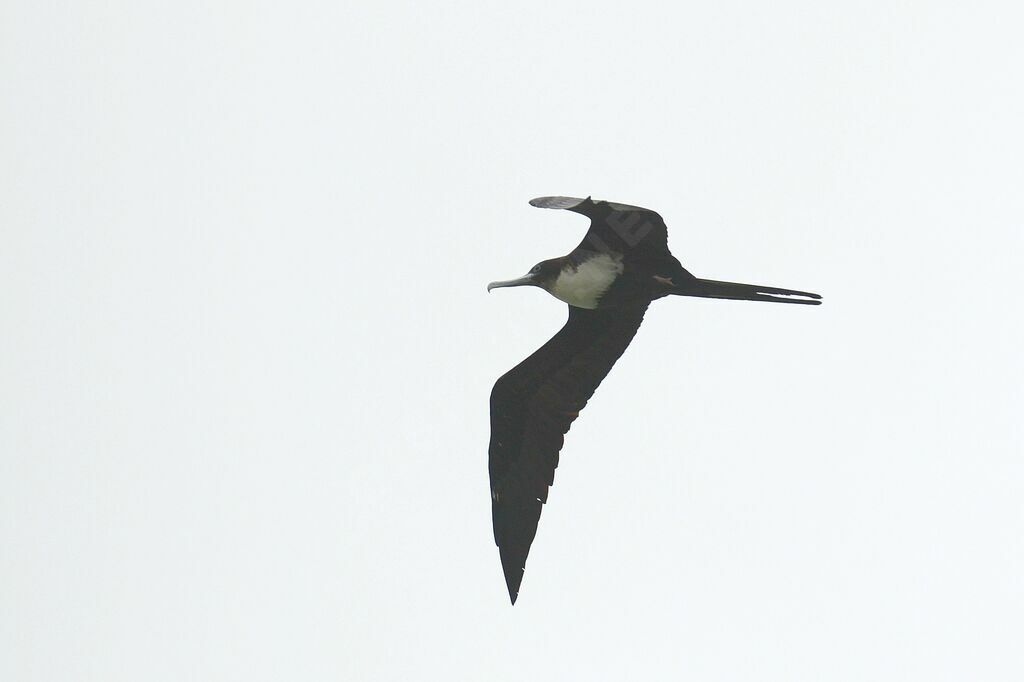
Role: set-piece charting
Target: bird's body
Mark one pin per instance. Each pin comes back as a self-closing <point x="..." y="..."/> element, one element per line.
<point x="585" y="277"/>
<point x="595" y="279"/>
<point x="609" y="280"/>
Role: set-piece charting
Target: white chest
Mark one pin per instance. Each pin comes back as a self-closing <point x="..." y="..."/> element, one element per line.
<point x="583" y="285"/>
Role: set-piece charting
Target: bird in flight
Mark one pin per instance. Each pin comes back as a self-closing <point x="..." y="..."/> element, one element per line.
<point x="609" y="280"/>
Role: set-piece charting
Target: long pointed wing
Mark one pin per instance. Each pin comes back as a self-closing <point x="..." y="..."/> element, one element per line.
<point x="616" y="228"/>
<point x="532" y="407"/>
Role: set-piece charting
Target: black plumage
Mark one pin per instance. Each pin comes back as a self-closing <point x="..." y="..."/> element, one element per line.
<point x="610" y="279"/>
<point x="532" y="407"/>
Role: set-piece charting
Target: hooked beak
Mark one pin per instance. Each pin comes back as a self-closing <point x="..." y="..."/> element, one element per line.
<point x="527" y="280"/>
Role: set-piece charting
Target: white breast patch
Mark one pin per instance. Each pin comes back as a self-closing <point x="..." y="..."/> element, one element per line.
<point x="583" y="285"/>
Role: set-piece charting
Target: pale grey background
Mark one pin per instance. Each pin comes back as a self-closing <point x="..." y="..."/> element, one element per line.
<point x="246" y="347"/>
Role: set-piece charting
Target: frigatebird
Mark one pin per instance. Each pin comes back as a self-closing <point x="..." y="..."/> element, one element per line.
<point x="609" y="280"/>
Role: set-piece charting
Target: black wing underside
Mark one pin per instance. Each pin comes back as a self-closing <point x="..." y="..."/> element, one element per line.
<point x="532" y="407"/>
<point x="615" y="228"/>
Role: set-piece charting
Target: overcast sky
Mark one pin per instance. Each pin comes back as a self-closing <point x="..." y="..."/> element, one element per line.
<point x="246" y="347"/>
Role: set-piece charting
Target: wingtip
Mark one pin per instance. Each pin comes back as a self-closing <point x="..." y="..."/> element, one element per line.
<point x="513" y="565"/>
<point x="513" y="579"/>
<point x="556" y="202"/>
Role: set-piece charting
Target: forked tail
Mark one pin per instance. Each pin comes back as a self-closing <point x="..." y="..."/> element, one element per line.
<point x="709" y="288"/>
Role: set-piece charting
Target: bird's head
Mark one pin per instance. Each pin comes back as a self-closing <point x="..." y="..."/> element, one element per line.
<point x="542" y="275"/>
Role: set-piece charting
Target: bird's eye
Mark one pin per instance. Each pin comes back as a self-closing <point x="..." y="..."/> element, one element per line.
<point x="536" y="269"/>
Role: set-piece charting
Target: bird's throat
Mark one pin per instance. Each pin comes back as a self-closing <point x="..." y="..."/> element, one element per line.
<point x="583" y="284"/>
